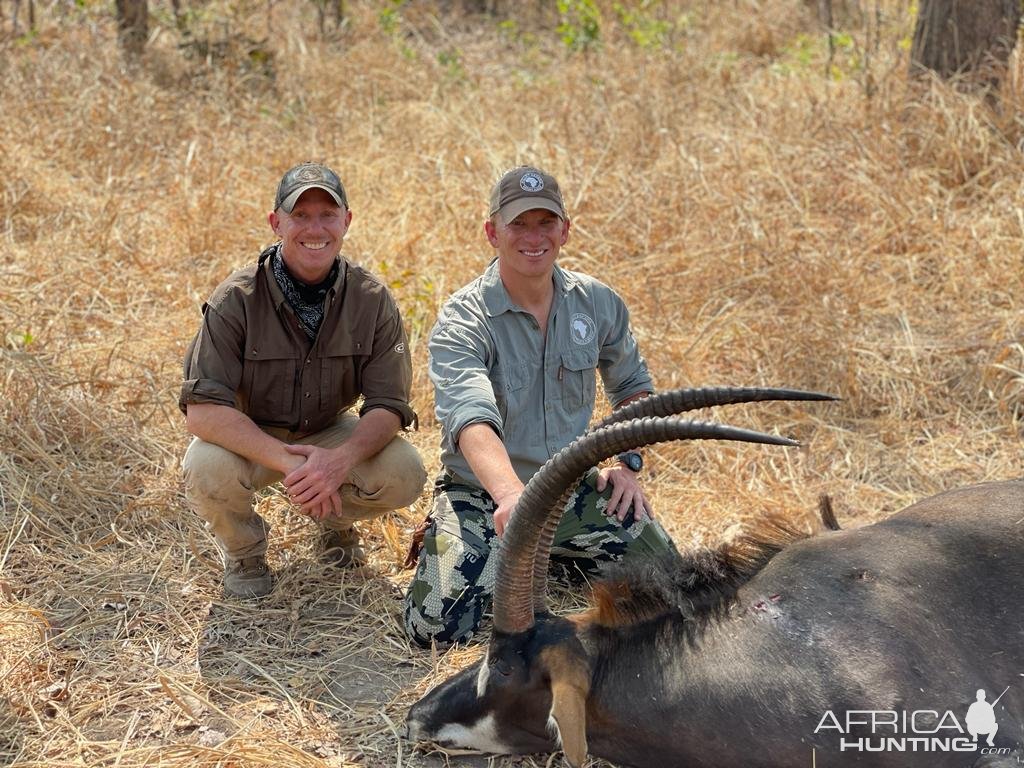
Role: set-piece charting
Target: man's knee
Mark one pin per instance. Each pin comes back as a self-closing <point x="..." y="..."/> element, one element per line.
<point x="452" y="623"/>
<point x="421" y="627"/>
<point x="392" y="479"/>
<point x="408" y="475"/>
<point x="587" y="530"/>
<point x="213" y="474"/>
<point x="451" y="590"/>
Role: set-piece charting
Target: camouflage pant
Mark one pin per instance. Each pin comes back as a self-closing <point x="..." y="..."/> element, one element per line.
<point x="454" y="579"/>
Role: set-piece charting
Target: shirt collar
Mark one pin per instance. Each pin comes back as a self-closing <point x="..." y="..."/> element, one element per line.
<point x="496" y="298"/>
<point x="277" y="294"/>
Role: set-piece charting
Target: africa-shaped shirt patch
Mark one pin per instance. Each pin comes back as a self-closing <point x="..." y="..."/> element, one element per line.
<point x="583" y="328"/>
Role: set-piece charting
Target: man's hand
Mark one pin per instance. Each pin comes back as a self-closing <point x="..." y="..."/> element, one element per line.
<point x="313" y="485"/>
<point x="503" y="510"/>
<point x="626" y="492"/>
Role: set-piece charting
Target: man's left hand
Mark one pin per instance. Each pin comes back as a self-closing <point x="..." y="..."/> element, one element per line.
<point x="314" y="484"/>
<point x="626" y="492"/>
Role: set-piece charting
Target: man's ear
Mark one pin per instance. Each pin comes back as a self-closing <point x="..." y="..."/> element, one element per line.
<point x="570" y="685"/>
<point x="491" y="230"/>
<point x="274" y="219"/>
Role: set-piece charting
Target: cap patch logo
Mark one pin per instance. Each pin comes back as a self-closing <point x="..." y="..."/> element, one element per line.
<point x="582" y="328"/>
<point x="531" y="182"/>
<point x="309" y="174"/>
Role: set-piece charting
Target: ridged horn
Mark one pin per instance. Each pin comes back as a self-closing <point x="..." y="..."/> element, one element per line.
<point x="544" y="542"/>
<point x="676" y="401"/>
<point x="668" y="403"/>
<point x="537" y="510"/>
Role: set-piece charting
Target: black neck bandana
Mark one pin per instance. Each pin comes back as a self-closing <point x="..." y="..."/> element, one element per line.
<point x="306" y="300"/>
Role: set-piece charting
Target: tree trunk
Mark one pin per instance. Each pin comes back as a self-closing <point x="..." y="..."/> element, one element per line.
<point x="330" y="10"/>
<point x="970" y="38"/>
<point x="132" y="25"/>
<point x="835" y="14"/>
<point x="825" y="14"/>
<point x="15" y="27"/>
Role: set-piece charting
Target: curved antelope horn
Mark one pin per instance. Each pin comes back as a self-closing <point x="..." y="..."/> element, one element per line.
<point x="680" y="400"/>
<point x="537" y="511"/>
<point x="668" y="403"/>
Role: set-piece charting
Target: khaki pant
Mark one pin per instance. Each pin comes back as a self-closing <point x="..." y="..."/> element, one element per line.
<point x="219" y="486"/>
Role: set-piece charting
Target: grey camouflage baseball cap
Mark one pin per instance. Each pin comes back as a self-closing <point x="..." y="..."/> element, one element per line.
<point x="524" y="189"/>
<point x="305" y="176"/>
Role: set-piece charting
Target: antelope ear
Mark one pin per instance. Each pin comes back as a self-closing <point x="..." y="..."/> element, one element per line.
<point x="569" y="712"/>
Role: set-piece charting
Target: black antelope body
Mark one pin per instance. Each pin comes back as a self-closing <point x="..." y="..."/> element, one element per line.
<point x="860" y="647"/>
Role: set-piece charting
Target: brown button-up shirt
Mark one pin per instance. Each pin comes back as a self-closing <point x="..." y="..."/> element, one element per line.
<point x="251" y="354"/>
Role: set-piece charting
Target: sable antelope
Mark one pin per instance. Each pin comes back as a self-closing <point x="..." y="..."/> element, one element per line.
<point x="856" y="647"/>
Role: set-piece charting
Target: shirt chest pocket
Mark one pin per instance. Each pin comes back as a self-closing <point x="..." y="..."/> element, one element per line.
<point x="512" y="393"/>
<point x="577" y="378"/>
<point x="341" y="373"/>
<point x="509" y="382"/>
<point x="268" y="381"/>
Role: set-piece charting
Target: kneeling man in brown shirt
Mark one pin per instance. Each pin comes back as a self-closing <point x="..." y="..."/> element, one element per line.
<point x="286" y="347"/>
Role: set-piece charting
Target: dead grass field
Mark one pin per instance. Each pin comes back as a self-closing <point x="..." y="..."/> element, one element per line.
<point x="766" y="223"/>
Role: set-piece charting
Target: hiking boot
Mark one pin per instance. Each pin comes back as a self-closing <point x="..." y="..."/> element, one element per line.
<point x="248" y="577"/>
<point x="342" y="548"/>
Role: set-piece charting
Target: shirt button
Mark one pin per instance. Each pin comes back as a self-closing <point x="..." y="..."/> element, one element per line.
<point x="306" y="422"/>
<point x="307" y="394"/>
<point x="307" y="362"/>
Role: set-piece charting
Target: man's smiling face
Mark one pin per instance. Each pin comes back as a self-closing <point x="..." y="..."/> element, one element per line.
<point x="311" y="235"/>
<point x="529" y="244"/>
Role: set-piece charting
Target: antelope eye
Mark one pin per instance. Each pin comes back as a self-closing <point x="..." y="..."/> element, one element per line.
<point x="502" y="667"/>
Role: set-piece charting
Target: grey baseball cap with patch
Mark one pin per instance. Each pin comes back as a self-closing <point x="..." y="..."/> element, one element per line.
<point x="305" y="176"/>
<point x="524" y="189"/>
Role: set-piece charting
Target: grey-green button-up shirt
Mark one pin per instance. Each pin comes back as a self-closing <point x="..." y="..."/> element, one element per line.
<point x="490" y="363"/>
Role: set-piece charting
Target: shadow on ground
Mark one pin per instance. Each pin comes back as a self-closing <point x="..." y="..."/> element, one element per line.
<point x="330" y="641"/>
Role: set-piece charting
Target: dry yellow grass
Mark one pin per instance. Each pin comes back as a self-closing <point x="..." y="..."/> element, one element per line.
<point x="767" y="225"/>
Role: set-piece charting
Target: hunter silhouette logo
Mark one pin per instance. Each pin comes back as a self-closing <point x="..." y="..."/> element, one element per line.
<point x="981" y="717"/>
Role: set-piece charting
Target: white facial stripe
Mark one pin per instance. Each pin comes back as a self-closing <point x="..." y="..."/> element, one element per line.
<point x="553" y="730"/>
<point x="482" y="735"/>
<point x="414" y="729"/>
<point x="481" y="678"/>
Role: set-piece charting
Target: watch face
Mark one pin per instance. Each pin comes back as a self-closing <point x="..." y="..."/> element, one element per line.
<point x="632" y="460"/>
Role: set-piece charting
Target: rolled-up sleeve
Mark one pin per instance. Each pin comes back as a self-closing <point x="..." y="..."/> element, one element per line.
<point x="623" y="371"/>
<point x="213" y="363"/>
<point x="460" y="354"/>
<point x="387" y="375"/>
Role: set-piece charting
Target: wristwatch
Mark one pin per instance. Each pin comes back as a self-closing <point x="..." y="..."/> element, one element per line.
<point x="631" y="459"/>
